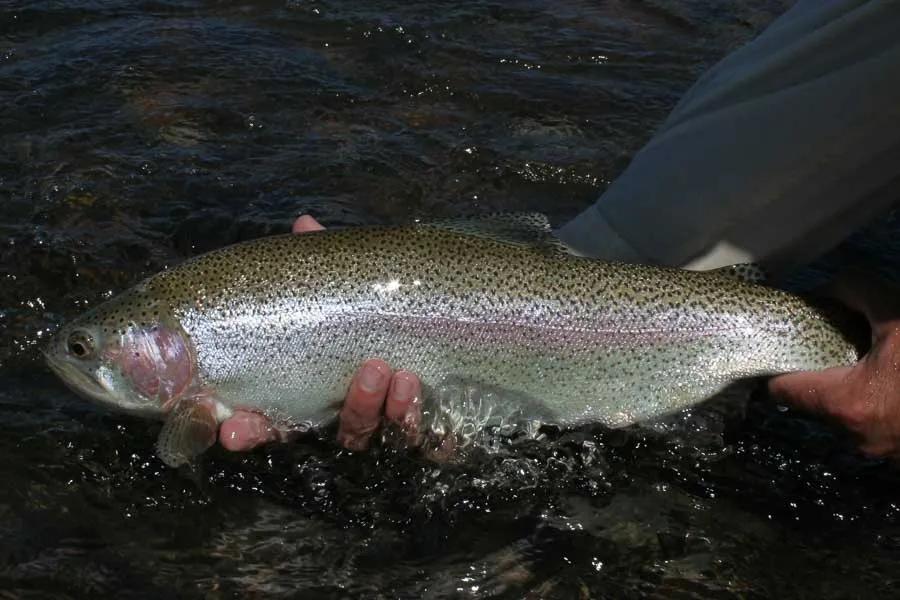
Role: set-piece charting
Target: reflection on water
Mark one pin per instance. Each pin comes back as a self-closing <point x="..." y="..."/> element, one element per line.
<point x="135" y="134"/>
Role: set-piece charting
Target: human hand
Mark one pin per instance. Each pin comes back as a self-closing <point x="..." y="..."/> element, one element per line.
<point x="375" y="392"/>
<point x="865" y="397"/>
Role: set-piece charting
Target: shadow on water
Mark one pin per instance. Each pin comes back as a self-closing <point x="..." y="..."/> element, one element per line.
<point x="135" y="134"/>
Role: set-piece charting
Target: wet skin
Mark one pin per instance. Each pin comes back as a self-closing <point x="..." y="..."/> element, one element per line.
<point x="864" y="398"/>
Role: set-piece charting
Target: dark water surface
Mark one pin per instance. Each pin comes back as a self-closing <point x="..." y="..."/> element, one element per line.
<point x="134" y="134"/>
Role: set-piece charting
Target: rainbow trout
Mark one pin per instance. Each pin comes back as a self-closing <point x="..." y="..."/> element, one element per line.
<point x="279" y="325"/>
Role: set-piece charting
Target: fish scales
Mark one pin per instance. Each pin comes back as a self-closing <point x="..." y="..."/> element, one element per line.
<point x="280" y="324"/>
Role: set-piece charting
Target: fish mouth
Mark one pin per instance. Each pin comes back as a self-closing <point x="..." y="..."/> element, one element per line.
<point x="77" y="380"/>
<point x="100" y="391"/>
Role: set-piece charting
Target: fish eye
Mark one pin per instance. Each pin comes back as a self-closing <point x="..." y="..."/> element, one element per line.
<point x="80" y="344"/>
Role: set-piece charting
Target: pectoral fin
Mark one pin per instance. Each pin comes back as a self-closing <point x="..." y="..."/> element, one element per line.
<point x="189" y="430"/>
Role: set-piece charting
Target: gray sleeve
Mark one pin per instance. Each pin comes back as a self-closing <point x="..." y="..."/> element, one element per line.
<point x="776" y="154"/>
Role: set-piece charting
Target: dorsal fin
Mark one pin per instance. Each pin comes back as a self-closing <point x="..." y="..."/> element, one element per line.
<point x="520" y="229"/>
<point x="746" y="272"/>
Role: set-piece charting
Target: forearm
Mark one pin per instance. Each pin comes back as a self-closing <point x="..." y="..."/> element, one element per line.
<point x="775" y="155"/>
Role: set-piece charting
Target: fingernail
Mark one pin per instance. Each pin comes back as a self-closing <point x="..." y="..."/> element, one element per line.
<point x="403" y="388"/>
<point x="353" y="443"/>
<point x="371" y="378"/>
<point x="260" y="431"/>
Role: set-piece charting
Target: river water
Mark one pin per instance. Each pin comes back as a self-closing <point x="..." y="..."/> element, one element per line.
<point x="135" y="134"/>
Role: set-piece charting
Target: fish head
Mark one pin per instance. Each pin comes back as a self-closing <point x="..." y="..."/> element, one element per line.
<point x="127" y="354"/>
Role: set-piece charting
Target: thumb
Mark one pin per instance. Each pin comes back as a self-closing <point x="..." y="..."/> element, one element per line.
<point x="812" y="391"/>
<point x="876" y="299"/>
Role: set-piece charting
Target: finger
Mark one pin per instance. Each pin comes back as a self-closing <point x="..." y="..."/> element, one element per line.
<point x="812" y="391"/>
<point x="403" y="405"/>
<point x="403" y="396"/>
<point x="876" y="299"/>
<point x="246" y="430"/>
<point x="363" y="407"/>
<point x="305" y="224"/>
